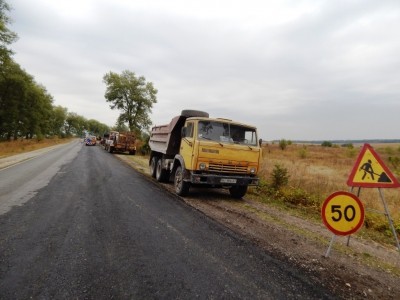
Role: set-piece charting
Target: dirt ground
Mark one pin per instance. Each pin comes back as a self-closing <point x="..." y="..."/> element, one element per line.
<point x="363" y="269"/>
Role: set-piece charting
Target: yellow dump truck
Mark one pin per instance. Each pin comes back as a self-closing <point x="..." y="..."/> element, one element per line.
<point x="120" y="142"/>
<point x="194" y="149"/>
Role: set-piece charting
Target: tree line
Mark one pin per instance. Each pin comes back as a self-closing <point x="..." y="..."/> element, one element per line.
<point x="26" y="107"/>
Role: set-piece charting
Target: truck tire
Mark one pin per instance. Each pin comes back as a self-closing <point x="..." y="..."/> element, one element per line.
<point x="194" y="113"/>
<point x="133" y="152"/>
<point x="153" y="166"/>
<point x="238" y="191"/>
<point x="161" y="174"/>
<point x="181" y="187"/>
<point x="110" y="149"/>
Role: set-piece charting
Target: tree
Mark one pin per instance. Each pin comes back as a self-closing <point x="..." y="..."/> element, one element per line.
<point x="133" y="96"/>
<point x="75" y="124"/>
<point x="37" y="111"/>
<point x="6" y="35"/>
<point x="120" y="125"/>
<point x="96" y="128"/>
<point x="25" y="106"/>
<point x="57" y="120"/>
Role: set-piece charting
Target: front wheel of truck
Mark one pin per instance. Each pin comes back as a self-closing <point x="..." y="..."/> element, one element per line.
<point x="181" y="187"/>
<point x="238" y="192"/>
<point x="153" y="166"/>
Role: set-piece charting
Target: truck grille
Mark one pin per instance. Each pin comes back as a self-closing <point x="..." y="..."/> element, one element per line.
<point x="213" y="167"/>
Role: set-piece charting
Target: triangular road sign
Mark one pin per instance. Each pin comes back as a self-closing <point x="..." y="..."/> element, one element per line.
<point x="370" y="171"/>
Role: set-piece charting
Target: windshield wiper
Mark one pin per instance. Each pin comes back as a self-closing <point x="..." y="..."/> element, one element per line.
<point x="207" y="138"/>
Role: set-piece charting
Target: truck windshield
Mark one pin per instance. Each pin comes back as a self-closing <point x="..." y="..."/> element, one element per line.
<point x="227" y="133"/>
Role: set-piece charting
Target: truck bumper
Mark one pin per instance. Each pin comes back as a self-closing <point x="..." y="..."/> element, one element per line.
<point x="227" y="180"/>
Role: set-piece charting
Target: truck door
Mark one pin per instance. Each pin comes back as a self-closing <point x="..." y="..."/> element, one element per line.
<point x="187" y="146"/>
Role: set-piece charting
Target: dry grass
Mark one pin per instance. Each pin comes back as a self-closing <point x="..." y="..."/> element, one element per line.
<point x="320" y="171"/>
<point x="9" y="148"/>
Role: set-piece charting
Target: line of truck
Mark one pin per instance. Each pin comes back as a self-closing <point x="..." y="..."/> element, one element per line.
<point x="196" y="150"/>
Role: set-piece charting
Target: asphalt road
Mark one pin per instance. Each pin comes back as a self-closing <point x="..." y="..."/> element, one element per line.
<point x="77" y="223"/>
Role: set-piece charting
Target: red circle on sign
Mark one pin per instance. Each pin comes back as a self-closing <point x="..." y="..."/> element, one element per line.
<point x="343" y="213"/>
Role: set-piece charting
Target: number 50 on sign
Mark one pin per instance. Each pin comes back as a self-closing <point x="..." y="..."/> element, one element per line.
<point x="343" y="213"/>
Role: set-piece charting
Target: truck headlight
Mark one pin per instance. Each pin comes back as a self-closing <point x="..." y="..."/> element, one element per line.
<point x="252" y="170"/>
<point x="202" y="166"/>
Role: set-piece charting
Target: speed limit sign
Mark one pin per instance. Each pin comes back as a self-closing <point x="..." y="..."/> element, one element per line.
<point x="343" y="213"/>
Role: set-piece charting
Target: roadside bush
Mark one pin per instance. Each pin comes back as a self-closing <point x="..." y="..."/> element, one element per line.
<point x="298" y="196"/>
<point x="279" y="177"/>
<point x="144" y="148"/>
<point x="348" y="145"/>
<point x="39" y="137"/>
<point x="326" y="144"/>
<point x="303" y="152"/>
<point x="283" y="144"/>
<point x="264" y="188"/>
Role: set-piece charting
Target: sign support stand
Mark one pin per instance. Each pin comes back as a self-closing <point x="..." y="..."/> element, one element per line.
<point x="387" y="214"/>
<point x="358" y="195"/>
<point x="328" y="251"/>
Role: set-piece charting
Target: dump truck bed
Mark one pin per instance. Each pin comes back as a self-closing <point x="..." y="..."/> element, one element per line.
<point x="166" y="138"/>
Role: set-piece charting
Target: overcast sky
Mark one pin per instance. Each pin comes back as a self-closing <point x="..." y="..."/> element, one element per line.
<point x="313" y="70"/>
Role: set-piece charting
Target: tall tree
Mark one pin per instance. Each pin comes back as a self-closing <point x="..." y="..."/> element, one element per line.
<point x="97" y="128"/>
<point x="25" y="106"/>
<point x="75" y="124"/>
<point x="57" y="120"/>
<point x="6" y="35"/>
<point x="133" y="96"/>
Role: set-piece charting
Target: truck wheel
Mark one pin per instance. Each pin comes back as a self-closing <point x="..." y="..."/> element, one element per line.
<point x="238" y="192"/>
<point x="110" y="149"/>
<point x="181" y="187"/>
<point x="194" y="113"/>
<point x="133" y="152"/>
<point x="153" y="166"/>
<point x="161" y="174"/>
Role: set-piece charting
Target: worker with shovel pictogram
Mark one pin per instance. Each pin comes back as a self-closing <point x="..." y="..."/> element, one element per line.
<point x="367" y="167"/>
<point x="370" y="171"/>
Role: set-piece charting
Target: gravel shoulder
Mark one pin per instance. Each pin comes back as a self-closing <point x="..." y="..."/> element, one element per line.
<point x="364" y="269"/>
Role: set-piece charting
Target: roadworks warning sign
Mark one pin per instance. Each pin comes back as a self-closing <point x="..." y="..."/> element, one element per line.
<point x="370" y="171"/>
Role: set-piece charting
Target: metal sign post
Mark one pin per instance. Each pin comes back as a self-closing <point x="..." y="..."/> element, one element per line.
<point x="387" y="214"/>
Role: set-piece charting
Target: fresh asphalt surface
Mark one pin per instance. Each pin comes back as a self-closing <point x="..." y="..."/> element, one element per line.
<point x="80" y="224"/>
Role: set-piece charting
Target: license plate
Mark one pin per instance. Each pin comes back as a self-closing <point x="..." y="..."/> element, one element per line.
<point x="228" y="180"/>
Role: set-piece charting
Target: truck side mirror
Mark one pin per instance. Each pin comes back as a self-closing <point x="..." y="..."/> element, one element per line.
<point x="260" y="142"/>
<point x="183" y="132"/>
